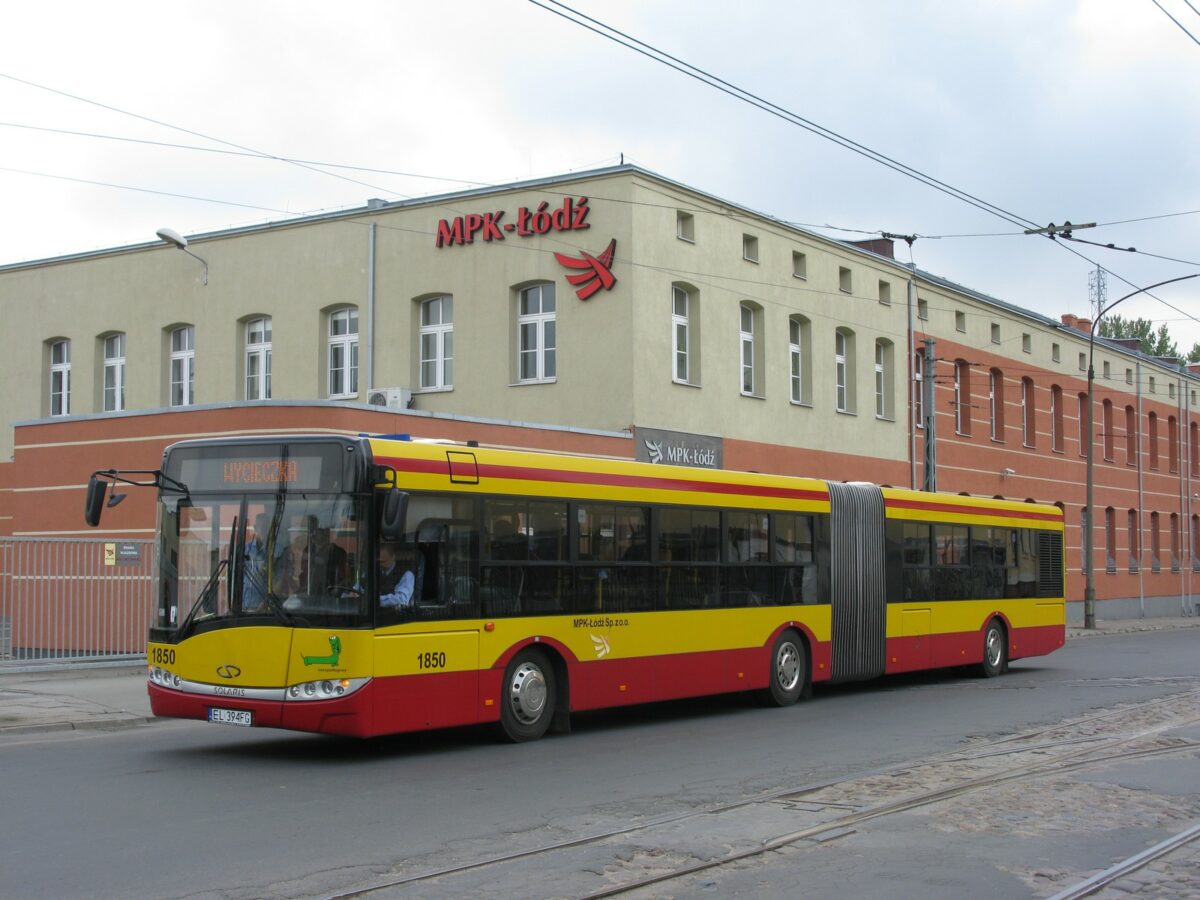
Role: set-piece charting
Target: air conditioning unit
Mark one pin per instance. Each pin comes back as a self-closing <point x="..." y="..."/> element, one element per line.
<point x="392" y="398"/>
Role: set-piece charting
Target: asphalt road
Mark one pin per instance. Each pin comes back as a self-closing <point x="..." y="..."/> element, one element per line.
<point x="182" y="809"/>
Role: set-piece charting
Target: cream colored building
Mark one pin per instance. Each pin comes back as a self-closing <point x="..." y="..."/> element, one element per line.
<point x="625" y="306"/>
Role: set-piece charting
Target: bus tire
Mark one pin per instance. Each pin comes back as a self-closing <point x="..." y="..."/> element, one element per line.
<point x="995" y="650"/>
<point x="789" y="670"/>
<point x="528" y="697"/>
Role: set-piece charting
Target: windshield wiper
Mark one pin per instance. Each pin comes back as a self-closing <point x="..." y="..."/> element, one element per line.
<point x="206" y="592"/>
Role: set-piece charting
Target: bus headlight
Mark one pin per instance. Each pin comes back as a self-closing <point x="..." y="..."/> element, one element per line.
<point x="329" y="689"/>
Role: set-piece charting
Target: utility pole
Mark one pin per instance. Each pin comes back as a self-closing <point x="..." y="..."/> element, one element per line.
<point x="1097" y="291"/>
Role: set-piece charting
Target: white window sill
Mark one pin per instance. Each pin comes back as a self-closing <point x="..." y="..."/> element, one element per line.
<point x="690" y="384"/>
<point x="879" y="418"/>
<point x="533" y="381"/>
<point x="752" y="396"/>
<point x="435" y="390"/>
<point x="846" y="412"/>
<point x="805" y="404"/>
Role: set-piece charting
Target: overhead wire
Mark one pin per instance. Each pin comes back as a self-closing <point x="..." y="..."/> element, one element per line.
<point x="1177" y="22"/>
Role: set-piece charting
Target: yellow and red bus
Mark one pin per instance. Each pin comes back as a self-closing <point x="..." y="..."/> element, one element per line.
<point x="540" y="584"/>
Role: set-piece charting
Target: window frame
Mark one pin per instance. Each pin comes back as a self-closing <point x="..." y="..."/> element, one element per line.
<point x="441" y="335"/>
<point x="543" y="351"/>
<point x="59" y="396"/>
<point x="116" y="364"/>
<point x="257" y="358"/>
<point x="181" y="390"/>
<point x="346" y="342"/>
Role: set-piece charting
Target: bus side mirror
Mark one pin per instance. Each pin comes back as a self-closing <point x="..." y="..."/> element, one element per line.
<point x="395" y="510"/>
<point x="94" y="504"/>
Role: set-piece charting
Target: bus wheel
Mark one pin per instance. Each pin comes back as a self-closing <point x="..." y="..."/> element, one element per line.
<point x="527" y="705"/>
<point x="789" y="669"/>
<point x="995" y="650"/>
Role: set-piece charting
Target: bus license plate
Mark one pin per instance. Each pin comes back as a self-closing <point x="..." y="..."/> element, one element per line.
<point x="231" y="716"/>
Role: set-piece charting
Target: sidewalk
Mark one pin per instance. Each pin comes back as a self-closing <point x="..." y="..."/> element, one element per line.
<point x="74" y="699"/>
<point x="115" y="697"/>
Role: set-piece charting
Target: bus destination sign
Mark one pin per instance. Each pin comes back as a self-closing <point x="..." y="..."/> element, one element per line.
<point x="271" y="471"/>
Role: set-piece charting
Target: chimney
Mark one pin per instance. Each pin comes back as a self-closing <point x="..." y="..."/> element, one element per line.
<point x="1070" y="321"/>
<point x="1084" y="325"/>
<point x="1194" y="368"/>
<point x="879" y="246"/>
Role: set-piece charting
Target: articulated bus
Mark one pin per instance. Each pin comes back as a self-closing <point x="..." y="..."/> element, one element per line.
<point x="536" y="585"/>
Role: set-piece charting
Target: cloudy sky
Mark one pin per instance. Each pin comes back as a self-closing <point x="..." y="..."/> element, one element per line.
<point x="1086" y="110"/>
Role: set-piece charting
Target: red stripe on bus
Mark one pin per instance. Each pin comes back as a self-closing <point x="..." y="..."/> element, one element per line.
<point x="926" y="506"/>
<point x="601" y="479"/>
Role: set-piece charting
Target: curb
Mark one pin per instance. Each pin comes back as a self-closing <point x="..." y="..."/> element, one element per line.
<point x="82" y="725"/>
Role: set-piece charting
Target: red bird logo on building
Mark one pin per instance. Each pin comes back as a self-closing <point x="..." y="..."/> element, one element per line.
<point x="597" y="270"/>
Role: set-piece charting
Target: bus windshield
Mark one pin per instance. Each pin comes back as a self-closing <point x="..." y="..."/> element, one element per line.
<point x="292" y="558"/>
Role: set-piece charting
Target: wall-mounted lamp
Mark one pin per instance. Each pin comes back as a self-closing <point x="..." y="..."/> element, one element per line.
<point x="1005" y="472"/>
<point x="175" y="239"/>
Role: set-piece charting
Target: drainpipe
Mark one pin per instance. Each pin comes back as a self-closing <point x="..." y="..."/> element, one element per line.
<point x="1141" y="506"/>
<point x="912" y="392"/>
<point x="370" y="307"/>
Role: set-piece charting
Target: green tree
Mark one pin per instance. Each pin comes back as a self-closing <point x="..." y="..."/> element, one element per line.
<point x="1153" y="342"/>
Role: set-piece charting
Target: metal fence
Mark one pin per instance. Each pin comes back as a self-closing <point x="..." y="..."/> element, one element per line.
<point x="70" y="600"/>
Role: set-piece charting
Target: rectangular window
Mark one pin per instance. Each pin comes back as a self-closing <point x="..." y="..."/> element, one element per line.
<point x="960" y="321"/>
<point x="922" y="308"/>
<point x="799" y="264"/>
<point x="1056" y="419"/>
<point x="845" y="284"/>
<point x="536" y="330"/>
<point x="1133" y="532"/>
<point x="258" y="359"/>
<point x="1107" y="368"/>
<point x="1055" y="353"/>
<point x="1026" y="343"/>
<point x="685" y="226"/>
<point x="114" y="373"/>
<point x="437" y="343"/>
<point x="183" y="366"/>
<point x="1129" y="376"/>
<point x="689" y="572"/>
<point x="613" y="549"/>
<point x="919" y="388"/>
<point x="1028" y="413"/>
<point x="885" y="292"/>
<point x="750" y="248"/>
<point x="60" y="378"/>
<point x="995" y="332"/>
<point x="343" y="353"/>
<point x="1082" y="362"/>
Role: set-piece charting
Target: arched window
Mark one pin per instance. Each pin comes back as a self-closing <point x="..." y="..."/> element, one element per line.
<point x="1106" y="423"/>
<point x="1174" y="542"/>
<point x="1028" y="413"/>
<point x="1133" y="530"/>
<point x="258" y="358"/>
<point x="1172" y="444"/>
<point x="996" y="403"/>
<point x="1194" y="448"/>
<point x="1152" y="437"/>
<point x="685" y="362"/>
<point x="437" y="343"/>
<point x="884" y="384"/>
<point x="800" y="358"/>
<point x="1056" y="418"/>
<point x="114" y="372"/>
<point x="183" y="366"/>
<point x="1195" y="543"/>
<point x="750" y="325"/>
<point x="1083" y="423"/>
<point x="1131" y="437"/>
<point x="60" y="377"/>
<point x="962" y="397"/>
<point x="1110" y="539"/>
<point x="843" y="370"/>
<point x="1155" y="544"/>
<point x="919" y="388"/>
<point x="342" y="358"/>
<point x="537" y="339"/>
